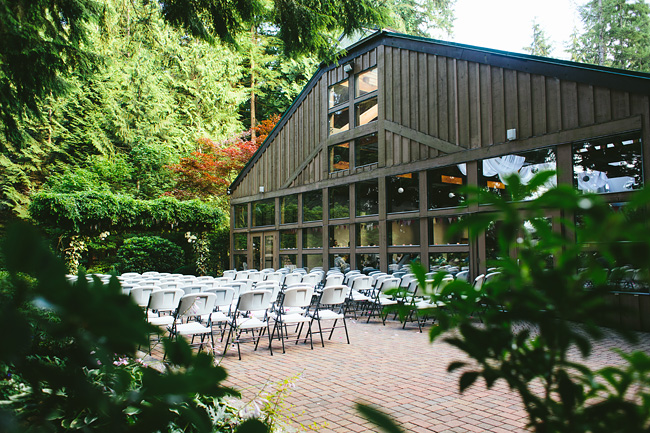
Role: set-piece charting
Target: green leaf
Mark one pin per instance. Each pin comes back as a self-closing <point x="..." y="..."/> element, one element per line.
<point x="467" y="379"/>
<point x="253" y="426"/>
<point x="379" y="418"/>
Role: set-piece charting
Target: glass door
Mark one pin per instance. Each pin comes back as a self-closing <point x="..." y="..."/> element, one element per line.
<point x="265" y="254"/>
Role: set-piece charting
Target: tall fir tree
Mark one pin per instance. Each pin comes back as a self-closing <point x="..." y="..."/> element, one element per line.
<point x="539" y="45"/>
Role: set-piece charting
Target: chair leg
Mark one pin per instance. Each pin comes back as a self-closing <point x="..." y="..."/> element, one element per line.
<point x="320" y="331"/>
<point x="345" y="326"/>
<point x="332" y="330"/>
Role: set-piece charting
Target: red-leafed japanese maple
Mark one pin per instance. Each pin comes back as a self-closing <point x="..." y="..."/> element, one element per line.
<point x="207" y="172"/>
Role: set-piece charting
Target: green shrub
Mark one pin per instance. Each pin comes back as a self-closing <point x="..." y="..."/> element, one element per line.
<point x="149" y="253"/>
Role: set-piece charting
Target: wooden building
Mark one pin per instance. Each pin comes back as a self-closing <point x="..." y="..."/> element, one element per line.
<point x="364" y="167"/>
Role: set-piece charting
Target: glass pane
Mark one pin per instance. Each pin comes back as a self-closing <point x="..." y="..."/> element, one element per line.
<point x="367" y="197"/>
<point x="457" y="260"/>
<point x="366" y="150"/>
<point x="288" y="239"/>
<point x="240" y="262"/>
<point x="439" y="231"/>
<point x="400" y="261"/>
<point x="402" y="193"/>
<point x="312" y="260"/>
<point x="312" y="237"/>
<point x="240" y="241"/>
<point x="366" y="82"/>
<point x="493" y="172"/>
<point x="241" y="216"/>
<point x="339" y="93"/>
<point x="492" y="241"/>
<point x="312" y="206"/>
<point x="613" y="164"/>
<point x="339" y="121"/>
<point x="339" y="157"/>
<point x="268" y="252"/>
<point x="340" y="202"/>
<point x="404" y="232"/>
<point x="366" y="111"/>
<point x="444" y="184"/>
<point x="341" y="261"/>
<point x="368" y="234"/>
<point x="257" y="252"/>
<point x="288" y="260"/>
<point x="289" y="209"/>
<point x="368" y="261"/>
<point x="340" y="236"/>
<point x="264" y="213"/>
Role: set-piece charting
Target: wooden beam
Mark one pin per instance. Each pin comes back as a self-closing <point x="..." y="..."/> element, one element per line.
<point x="301" y="167"/>
<point x="420" y="137"/>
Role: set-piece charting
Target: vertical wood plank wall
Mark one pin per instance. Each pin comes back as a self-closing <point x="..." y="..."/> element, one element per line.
<point x="468" y="104"/>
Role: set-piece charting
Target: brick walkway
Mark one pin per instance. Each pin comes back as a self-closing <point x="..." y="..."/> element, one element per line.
<point x="395" y="369"/>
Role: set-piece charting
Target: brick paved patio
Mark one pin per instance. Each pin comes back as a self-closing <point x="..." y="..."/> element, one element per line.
<point x="395" y="369"/>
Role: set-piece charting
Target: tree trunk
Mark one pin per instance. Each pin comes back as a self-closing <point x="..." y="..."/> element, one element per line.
<point x="253" y="118"/>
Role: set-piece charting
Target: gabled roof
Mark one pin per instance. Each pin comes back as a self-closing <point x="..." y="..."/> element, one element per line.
<point x="631" y="81"/>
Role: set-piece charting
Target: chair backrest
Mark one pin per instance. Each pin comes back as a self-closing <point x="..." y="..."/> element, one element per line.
<point x="274" y="286"/>
<point x="334" y="280"/>
<point x="406" y="279"/>
<point x="292" y="278"/>
<point x="334" y="295"/>
<point x="222" y="281"/>
<point x="311" y="279"/>
<point x="478" y="282"/>
<point x="165" y="299"/>
<point x="241" y="275"/>
<point x="130" y="275"/>
<point x="388" y="284"/>
<point x="170" y="285"/>
<point x="231" y="273"/>
<point x="149" y="282"/>
<point x="299" y="296"/>
<point x="273" y="276"/>
<point x="362" y="282"/>
<point x="462" y="275"/>
<point x="437" y="290"/>
<point x="350" y="275"/>
<point x="255" y="300"/>
<point x="225" y="295"/>
<point x="376" y="275"/>
<point x="491" y="276"/>
<point x="196" y="304"/>
<point x="239" y="286"/>
<point x="204" y="278"/>
<point x="149" y="273"/>
<point x="141" y="294"/>
<point x="192" y="288"/>
<point x="381" y="278"/>
<point x="255" y="276"/>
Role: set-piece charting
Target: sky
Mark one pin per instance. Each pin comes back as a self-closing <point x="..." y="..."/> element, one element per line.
<point x="507" y="24"/>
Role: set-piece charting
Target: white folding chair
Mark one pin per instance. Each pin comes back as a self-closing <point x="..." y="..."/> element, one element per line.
<point x="222" y="315"/>
<point x="141" y="294"/>
<point x="292" y="311"/>
<point x="188" y="317"/>
<point x="380" y="300"/>
<point x="330" y="306"/>
<point x="243" y="321"/>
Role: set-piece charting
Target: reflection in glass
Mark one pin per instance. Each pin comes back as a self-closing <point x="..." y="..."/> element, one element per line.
<point x="289" y="209"/>
<point x="240" y="262"/>
<point x="310" y="261"/>
<point x="241" y="216"/>
<point x="404" y="232"/>
<point x="366" y="82"/>
<point x="288" y="239"/>
<point x="366" y="111"/>
<point x="288" y="260"/>
<point x="339" y="201"/>
<point x="493" y="172"/>
<point x="400" y="261"/>
<point x="367" y="261"/>
<point x="339" y="121"/>
<point x="439" y="233"/>
<point x="312" y="237"/>
<point x="444" y="185"/>
<point x="312" y="206"/>
<point x="613" y="164"/>
<point x="366" y="150"/>
<point x="458" y="259"/>
<point x="264" y="213"/>
<point x="340" y="260"/>
<point x="339" y="157"/>
<point x="492" y="240"/>
<point x="402" y="193"/>
<point x="367" y="197"/>
<point x="340" y="236"/>
<point x="368" y="234"/>
<point x="240" y="241"/>
<point x="339" y="93"/>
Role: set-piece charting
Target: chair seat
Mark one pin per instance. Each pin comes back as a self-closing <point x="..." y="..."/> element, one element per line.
<point x="251" y="323"/>
<point x="192" y="328"/>
<point x="217" y="317"/>
<point x="328" y="315"/>
<point x="161" y="320"/>
<point x="358" y="296"/>
<point x="424" y="305"/>
<point x="385" y="301"/>
<point x="294" y="318"/>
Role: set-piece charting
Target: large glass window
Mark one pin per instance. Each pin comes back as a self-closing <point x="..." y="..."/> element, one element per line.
<point x="493" y="172"/>
<point x="240" y="262"/>
<point x="366" y="82"/>
<point x="339" y="201"/>
<point x="444" y="185"/>
<point x="288" y="261"/>
<point x="289" y="209"/>
<point x="312" y="206"/>
<point x="341" y="261"/>
<point x="339" y="93"/>
<point x="340" y="236"/>
<point x="264" y="213"/>
<point x="613" y="164"/>
<point x="310" y="261"/>
<point x="439" y="233"/>
<point x="339" y="121"/>
<point x="312" y="237"/>
<point x="240" y="241"/>
<point x="400" y="261"/>
<point x="368" y="261"/>
<point x="339" y="157"/>
<point x="288" y="239"/>
<point x="458" y="260"/>
<point x="367" y="197"/>
<point x="402" y="193"/>
<point x="368" y="234"/>
<point x="241" y="216"/>
<point x="366" y="111"/>
<point x="404" y="232"/>
<point x="366" y="150"/>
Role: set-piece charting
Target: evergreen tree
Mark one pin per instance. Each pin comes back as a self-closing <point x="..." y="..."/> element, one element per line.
<point x="617" y="34"/>
<point x="540" y="45"/>
<point x="428" y="18"/>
